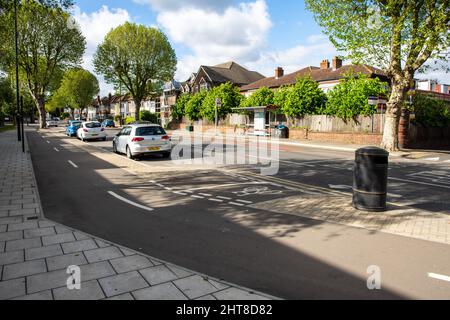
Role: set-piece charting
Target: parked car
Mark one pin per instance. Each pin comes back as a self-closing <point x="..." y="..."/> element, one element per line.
<point x="108" y="123"/>
<point x="142" y="139"/>
<point x="91" y="131"/>
<point x="53" y="122"/>
<point x="72" y="128"/>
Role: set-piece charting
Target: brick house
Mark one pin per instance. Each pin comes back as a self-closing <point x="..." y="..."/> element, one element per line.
<point x="327" y="75"/>
<point x="209" y="77"/>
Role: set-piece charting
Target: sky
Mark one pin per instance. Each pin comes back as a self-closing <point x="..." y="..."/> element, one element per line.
<point x="258" y="34"/>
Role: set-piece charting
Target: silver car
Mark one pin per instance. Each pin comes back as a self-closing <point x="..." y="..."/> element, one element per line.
<point x="141" y="139"/>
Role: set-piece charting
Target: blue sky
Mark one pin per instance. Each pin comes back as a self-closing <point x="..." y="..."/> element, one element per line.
<point x="259" y="34"/>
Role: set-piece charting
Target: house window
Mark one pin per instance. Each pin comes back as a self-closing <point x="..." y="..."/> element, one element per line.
<point x="204" y="85"/>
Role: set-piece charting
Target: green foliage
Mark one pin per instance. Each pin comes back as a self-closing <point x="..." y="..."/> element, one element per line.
<point x="261" y="97"/>
<point x="7" y="105"/>
<point x="117" y="118"/>
<point x="148" y="116"/>
<point x="129" y="120"/>
<point x="281" y="95"/>
<point x="305" y="97"/>
<point x="194" y="105"/>
<point x="430" y="112"/>
<point x="230" y="98"/>
<point x="350" y="97"/>
<point x="137" y="57"/>
<point x="65" y="115"/>
<point x="48" y="43"/>
<point x="78" y="89"/>
<point x="179" y="109"/>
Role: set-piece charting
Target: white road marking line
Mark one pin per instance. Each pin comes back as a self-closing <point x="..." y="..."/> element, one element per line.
<point x="236" y="204"/>
<point x="180" y="193"/>
<point x="168" y="189"/>
<point x="215" y="200"/>
<point x="197" y="197"/>
<point x="245" y="201"/>
<point x="48" y="142"/>
<point x="206" y="194"/>
<point x="439" y="277"/>
<point x="160" y="185"/>
<point x="225" y="185"/>
<point x="73" y="164"/>
<point x="152" y="181"/>
<point x="393" y="195"/>
<point x="419" y="182"/>
<point x="56" y="149"/>
<point x="137" y="205"/>
<point x="224" y="198"/>
<point x="432" y="159"/>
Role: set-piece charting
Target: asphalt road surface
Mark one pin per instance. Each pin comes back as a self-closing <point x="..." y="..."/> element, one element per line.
<point x="204" y="220"/>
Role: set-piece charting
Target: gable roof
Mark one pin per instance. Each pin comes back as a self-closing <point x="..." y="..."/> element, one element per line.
<point x="316" y="74"/>
<point x="231" y="72"/>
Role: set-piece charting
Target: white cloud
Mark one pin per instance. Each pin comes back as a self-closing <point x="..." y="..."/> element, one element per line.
<point x="174" y="5"/>
<point x="95" y="26"/>
<point x="236" y="33"/>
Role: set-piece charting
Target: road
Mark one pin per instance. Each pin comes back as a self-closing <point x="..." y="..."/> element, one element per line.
<point x="206" y="220"/>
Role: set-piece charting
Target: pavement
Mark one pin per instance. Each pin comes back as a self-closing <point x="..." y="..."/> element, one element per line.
<point x="35" y="252"/>
<point x="293" y="235"/>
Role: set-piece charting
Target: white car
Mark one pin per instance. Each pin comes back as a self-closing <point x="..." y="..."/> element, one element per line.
<point x="91" y="131"/>
<point x="141" y="139"/>
<point x="51" y="122"/>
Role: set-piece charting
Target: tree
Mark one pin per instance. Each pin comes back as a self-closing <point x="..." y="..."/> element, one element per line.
<point x="148" y="116"/>
<point x="305" y="97"/>
<point x="398" y="35"/>
<point x="280" y="96"/>
<point x="350" y="98"/>
<point x="229" y="96"/>
<point x="260" y="98"/>
<point x="78" y="88"/>
<point x="48" y="44"/>
<point x="7" y="106"/>
<point x="430" y="112"/>
<point x="179" y="109"/>
<point x="135" y="56"/>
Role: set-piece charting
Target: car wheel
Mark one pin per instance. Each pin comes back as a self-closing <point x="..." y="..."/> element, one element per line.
<point x="129" y="154"/>
<point x="114" y="147"/>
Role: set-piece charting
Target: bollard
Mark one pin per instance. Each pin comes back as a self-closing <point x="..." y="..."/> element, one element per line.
<point x="370" y="179"/>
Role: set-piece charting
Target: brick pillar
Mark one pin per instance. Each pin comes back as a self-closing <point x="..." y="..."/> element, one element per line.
<point x="403" y="129"/>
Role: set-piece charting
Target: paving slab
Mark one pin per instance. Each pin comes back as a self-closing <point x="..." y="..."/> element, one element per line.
<point x="130" y="263"/>
<point x="39" y="232"/>
<point x="64" y="261"/>
<point x="165" y="291"/>
<point x="78" y="246"/>
<point x="122" y="283"/>
<point x="90" y="290"/>
<point x="102" y="254"/>
<point x="43" y="252"/>
<point x="195" y="286"/>
<point x="237" y="294"/>
<point x="158" y="274"/>
<point x="23" y="244"/>
<point x="23" y="269"/>
<point x="12" y="288"/>
<point x="44" y="295"/>
<point x="58" y="238"/>
<point x="11" y="257"/>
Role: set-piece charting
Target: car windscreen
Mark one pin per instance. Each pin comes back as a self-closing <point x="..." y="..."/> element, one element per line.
<point x="92" y="125"/>
<point x="76" y="124"/>
<point x="150" y="131"/>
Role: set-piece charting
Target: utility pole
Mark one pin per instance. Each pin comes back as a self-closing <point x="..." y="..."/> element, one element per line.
<point x="16" y="33"/>
<point x="22" y="126"/>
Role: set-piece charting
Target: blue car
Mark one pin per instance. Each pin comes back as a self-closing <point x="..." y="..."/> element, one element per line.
<point x="108" y="123"/>
<point x="71" y="129"/>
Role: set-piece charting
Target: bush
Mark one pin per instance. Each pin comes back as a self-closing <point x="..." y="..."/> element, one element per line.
<point x="305" y="97"/>
<point x="260" y="98"/>
<point x="179" y="109"/>
<point x="129" y="120"/>
<point x="230" y="98"/>
<point x="65" y="115"/>
<point x="350" y="97"/>
<point x="148" y="116"/>
<point x="117" y="118"/>
<point x="430" y="112"/>
<point x="194" y="105"/>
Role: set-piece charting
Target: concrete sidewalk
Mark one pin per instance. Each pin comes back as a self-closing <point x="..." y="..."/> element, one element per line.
<point x="35" y="253"/>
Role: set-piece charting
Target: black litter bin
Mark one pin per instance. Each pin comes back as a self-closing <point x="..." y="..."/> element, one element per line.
<point x="280" y="131"/>
<point x="370" y="179"/>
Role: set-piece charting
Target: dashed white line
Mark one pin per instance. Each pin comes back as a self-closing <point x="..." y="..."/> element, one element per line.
<point x="73" y="164"/>
<point x="180" y="193"/>
<point x="244" y="201"/>
<point x="137" y="205"/>
<point x="206" y="194"/>
<point x="439" y="277"/>
<point x="432" y="159"/>
<point x="237" y="204"/>
<point x="224" y="198"/>
<point x="56" y="149"/>
<point x="215" y="200"/>
<point x="197" y="197"/>
<point x="168" y="189"/>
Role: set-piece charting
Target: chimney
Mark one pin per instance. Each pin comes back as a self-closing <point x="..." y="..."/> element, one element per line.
<point x="325" y="64"/>
<point x="337" y="63"/>
<point x="279" y="72"/>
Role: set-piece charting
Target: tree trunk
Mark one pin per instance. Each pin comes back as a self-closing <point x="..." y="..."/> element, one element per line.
<point x="42" y="112"/>
<point x="137" y="103"/>
<point x="394" y="107"/>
